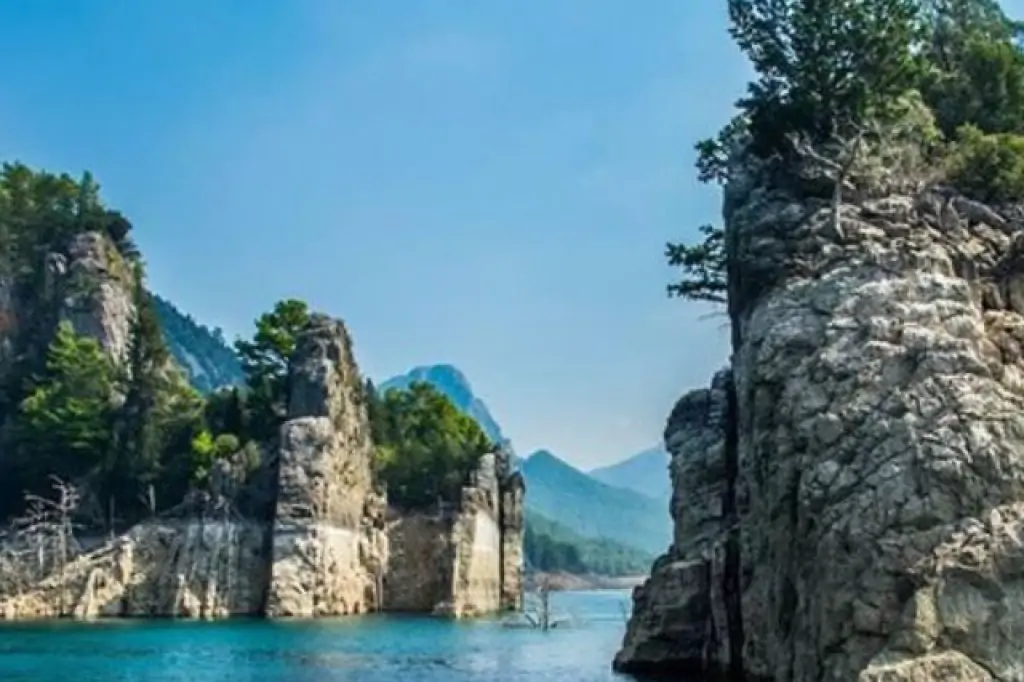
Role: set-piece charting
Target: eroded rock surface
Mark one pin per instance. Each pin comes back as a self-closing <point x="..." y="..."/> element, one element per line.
<point x="880" y="393"/>
<point x="329" y="544"/>
<point x="465" y="561"/>
<point x="95" y="287"/>
<point x="199" y="568"/>
<point x="678" y="624"/>
<point x="879" y="485"/>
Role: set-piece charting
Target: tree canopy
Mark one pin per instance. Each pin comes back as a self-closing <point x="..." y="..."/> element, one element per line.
<point x="426" y="447"/>
<point x="825" y="69"/>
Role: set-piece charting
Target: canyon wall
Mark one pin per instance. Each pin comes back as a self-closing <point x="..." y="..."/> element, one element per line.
<point x="315" y="540"/>
<point x="873" y="495"/>
<point x="473" y="551"/>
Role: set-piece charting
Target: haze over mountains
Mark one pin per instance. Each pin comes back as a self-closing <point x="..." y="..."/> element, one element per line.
<point x="626" y="502"/>
<point x="645" y="472"/>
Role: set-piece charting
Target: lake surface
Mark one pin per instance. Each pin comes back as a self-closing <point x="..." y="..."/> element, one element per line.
<point x="367" y="649"/>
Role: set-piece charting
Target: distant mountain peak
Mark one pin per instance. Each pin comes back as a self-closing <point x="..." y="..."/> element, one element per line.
<point x="645" y="472"/>
<point x="451" y="381"/>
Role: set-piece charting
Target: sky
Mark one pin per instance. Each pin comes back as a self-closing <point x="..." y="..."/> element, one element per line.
<point x="487" y="184"/>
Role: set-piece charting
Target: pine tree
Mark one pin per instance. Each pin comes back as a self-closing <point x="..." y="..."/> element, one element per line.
<point x="822" y="66"/>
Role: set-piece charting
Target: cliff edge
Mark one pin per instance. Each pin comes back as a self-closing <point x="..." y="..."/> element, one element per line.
<point x="312" y="545"/>
<point x="877" y="478"/>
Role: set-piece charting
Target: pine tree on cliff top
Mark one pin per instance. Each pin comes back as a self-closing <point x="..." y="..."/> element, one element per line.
<point x="825" y="66"/>
<point x="822" y="65"/>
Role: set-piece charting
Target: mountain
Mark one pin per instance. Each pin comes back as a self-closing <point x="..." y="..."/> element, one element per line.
<point x="454" y="384"/>
<point x="594" y="509"/>
<point x="203" y="352"/>
<point x="550" y="546"/>
<point x="645" y="472"/>
<point x="576" y="502"/>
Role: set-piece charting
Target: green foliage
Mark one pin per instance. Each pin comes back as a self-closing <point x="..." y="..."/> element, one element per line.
<point x="207" y="450"/>
<point x="426" y="447"/>
<point x="973" y="69"/>
<point x="939" y="83"/>
<point x="703" y="267"/>
<point x="265" y="363"/>
<point x="988" y="167"/>
<point x="550" y="546"/>
<point x="65" y="424"/>
<point x="822" y="65"/>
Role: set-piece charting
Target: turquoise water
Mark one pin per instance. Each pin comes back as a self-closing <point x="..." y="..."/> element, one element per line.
<point x="368" y="649"/>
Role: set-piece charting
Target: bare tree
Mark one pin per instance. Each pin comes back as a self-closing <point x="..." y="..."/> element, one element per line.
<point x="41" y="542"/>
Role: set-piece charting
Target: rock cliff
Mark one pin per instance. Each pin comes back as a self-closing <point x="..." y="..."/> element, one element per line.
<point x="673" y="625"/>
<point x="474" y="551"/>
<point x="86" y="283"/>
<point x="329" y="546"/>
<point x="874" y="487"/>
<point x="318" y="550"/>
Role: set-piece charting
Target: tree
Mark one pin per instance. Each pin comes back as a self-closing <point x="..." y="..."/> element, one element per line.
<point x="134" y="463"/>
<point x="821" y="65"/>
<point x="703" y="267"/>
<point x="265" y="363"/>
<point x="41" y="542"/>
<point x="973" y="66"/>
<point x="64" y="425"/>
<point x="426" y="447"/>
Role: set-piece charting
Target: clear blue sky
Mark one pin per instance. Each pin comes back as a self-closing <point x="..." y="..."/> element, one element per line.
<point x="489" y="184"/>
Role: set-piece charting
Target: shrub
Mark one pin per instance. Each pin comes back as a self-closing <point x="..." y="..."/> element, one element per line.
<point x="988" y="167"/>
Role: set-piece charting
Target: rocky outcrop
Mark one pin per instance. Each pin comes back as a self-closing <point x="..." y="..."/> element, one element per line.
<point x="464" y="561"/>
<point x="329" y="546"/>
<point x="877" y="473"/>
<point x="677" y="624"/>
<point x="196" y="568"/>
<point x="879" y="399"/>
<point x="309" y="543"/>
<point x="94" y="289"/>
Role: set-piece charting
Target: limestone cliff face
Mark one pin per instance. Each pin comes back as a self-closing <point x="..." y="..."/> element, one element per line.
<point x="879" y="392"/>
<point x="676" y="625"/>
<point x="466" y="561"/>
<point x="194" y="568"/>
<point x="877" y="473"/>
<point x="318" y="550"/>
<point x="93" y="286"/>
<point x="87" y="283"/>
<point x="329" y="544"/>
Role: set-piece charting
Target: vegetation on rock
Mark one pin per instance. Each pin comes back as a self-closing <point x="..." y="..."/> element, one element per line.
<point x="67" y="409"/>
<point x="829" y="72"/>
<point x="426" y="448"/>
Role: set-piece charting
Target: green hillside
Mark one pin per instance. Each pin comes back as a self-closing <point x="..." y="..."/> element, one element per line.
<point x="586" y="506"/>
<point x="550" y="546"/>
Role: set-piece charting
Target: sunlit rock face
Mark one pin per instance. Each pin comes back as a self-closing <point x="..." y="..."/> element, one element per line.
<point x="465" y="561"/>
<point x="329" y="548"/>
<point x="878" y="467"/>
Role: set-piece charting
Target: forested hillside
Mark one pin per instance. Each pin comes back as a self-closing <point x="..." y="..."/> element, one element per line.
<point x="551" y="547"/>
<point x="203" y="353"/>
